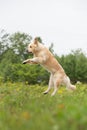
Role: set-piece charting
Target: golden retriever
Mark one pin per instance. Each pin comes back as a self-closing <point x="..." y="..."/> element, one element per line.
<point x="46" y="59"/>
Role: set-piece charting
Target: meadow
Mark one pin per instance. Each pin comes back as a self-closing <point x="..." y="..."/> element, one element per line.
<point x="24" y="107"/>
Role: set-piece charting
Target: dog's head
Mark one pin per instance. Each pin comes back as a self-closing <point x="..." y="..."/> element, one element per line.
<point x="33" y="47"/>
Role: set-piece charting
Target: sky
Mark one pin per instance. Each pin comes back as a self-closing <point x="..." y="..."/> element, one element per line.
<point x="61" y="22"/>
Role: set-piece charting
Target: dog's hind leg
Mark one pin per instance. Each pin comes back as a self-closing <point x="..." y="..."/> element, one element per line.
<point x="56" y="85"/>
<point x="50" y="84"/>
<point x="55" y="90"/>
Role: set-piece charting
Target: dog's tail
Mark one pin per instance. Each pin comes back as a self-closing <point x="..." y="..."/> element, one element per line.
<point x="68" y="84"/>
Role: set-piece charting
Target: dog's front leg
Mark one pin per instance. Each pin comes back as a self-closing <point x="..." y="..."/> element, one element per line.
<point x="38" y="60"/>
<point x="35" y="60"/>
<point x="29" y="61"/>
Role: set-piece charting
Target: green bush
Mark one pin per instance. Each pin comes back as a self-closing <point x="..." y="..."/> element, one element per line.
<point x="32" y="74"/>
<point x="13" y="52"/>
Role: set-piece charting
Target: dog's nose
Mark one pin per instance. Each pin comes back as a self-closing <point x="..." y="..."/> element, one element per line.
<point x="27" y="50"/>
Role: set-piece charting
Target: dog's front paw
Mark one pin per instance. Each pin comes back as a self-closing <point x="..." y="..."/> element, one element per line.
<point x="45" y="92"/>
<point x="24" y="62"/>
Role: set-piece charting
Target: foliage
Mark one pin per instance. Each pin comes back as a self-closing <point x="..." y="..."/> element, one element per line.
<point x="39" y="39"/>
<point x="51" y="48"/>
<point x="22" y="104"/>
<point x="30" y="74"/>
<point x="13" y="51"/>
<point x="19" y="44"/>
<point x="75" y="65"/>
<point x="24" y="107"/>
<point x="4" y="42"/>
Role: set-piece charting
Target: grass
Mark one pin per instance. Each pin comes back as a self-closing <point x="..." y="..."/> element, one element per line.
<point x="25" y="107"/>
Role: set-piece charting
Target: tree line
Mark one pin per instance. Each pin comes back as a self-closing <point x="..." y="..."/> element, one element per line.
<point x="13" y="52"/>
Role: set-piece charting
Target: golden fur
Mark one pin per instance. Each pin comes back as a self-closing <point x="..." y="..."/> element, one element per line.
<point x="46" y="59"/>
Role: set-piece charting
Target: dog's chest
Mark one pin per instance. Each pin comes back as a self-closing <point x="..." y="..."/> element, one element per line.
<point x="49" y="69"/>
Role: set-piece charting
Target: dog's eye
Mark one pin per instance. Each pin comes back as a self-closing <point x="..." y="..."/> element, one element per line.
<point x="30" y="46"/>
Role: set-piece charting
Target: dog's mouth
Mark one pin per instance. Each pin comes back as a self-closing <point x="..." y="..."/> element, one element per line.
<point x="30" y="52"/>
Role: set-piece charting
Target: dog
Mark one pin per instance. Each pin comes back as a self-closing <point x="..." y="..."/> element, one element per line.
<point x="45" y="58"/>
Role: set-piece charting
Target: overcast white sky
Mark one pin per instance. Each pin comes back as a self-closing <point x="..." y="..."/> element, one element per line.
<point x="62" y="22"/>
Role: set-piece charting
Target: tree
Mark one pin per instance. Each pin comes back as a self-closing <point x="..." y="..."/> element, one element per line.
<point x="39" y="39"/>
<point x="51" y="48"/>
<point x="75" y="65"/>
<point x="13" y="52"/>
<point x="4" y="42"/>
<point x="19" y="42"/>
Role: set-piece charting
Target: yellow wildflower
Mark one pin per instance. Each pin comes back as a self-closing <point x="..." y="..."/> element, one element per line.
<point x="25" y="115"/>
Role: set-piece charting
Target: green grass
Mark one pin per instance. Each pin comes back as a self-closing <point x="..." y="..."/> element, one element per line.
<point x="24" y="107"/>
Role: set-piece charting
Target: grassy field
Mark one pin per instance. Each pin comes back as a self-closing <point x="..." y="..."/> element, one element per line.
<point x="24" y="107"/>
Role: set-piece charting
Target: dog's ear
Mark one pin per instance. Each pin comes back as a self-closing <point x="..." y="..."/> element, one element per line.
<point x="36" y="40"/>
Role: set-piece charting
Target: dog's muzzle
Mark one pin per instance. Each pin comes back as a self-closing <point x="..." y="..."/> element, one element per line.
<point x="28" y="51"/>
